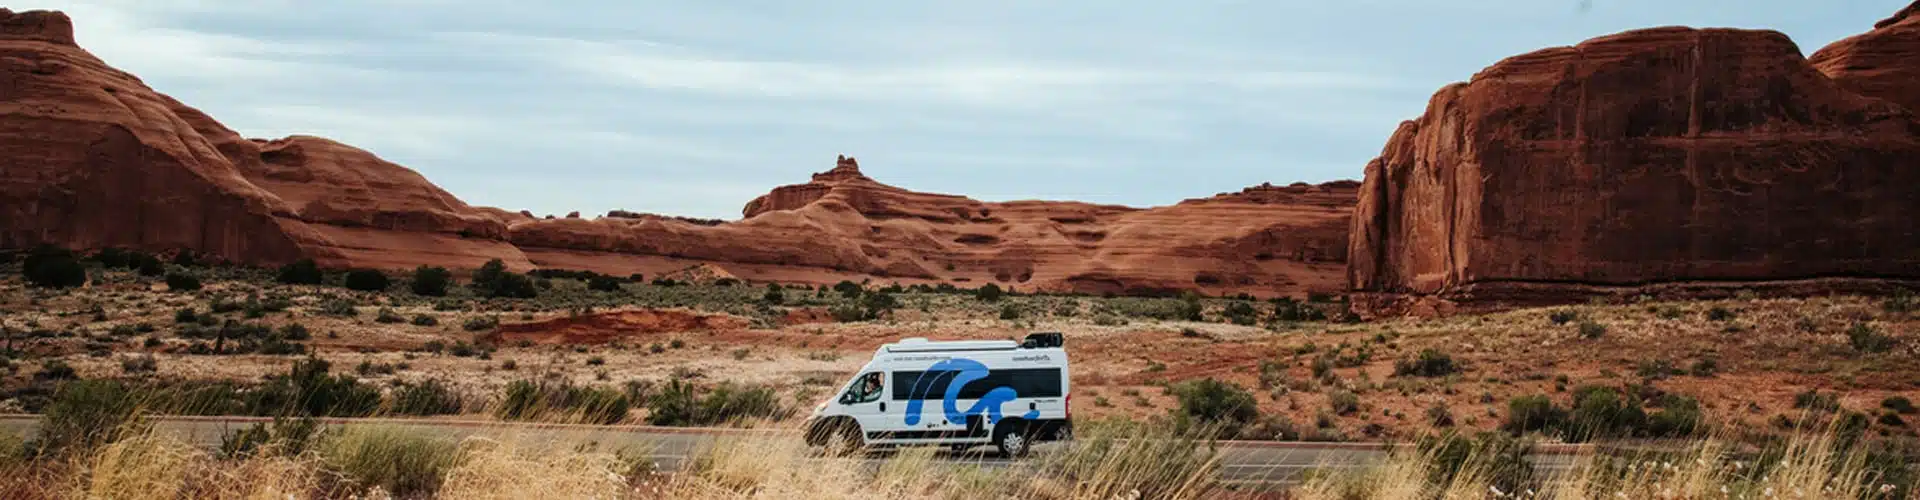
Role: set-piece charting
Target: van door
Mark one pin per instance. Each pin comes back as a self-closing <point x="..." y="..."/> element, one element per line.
<point x="865" y="400"/>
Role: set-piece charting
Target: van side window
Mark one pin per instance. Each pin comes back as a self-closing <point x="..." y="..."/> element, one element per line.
<point x="932" y="386"/>
<point x="867" y="388"/>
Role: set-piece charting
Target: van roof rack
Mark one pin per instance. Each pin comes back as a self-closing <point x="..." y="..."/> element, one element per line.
<point x="1044" y="340"/>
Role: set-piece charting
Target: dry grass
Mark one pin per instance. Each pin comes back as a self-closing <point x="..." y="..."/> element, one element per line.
<point x="1810" y="465"/>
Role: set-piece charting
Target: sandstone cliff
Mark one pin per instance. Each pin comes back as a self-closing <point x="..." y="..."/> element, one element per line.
<point x="1650" y="159"/>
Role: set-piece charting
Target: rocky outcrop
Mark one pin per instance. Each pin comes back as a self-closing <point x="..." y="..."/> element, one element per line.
<point x="1879" y="63"/>
<point x="842" y="224"/>
<point x="1643" y="159"/>
<point x="93" y="158"/>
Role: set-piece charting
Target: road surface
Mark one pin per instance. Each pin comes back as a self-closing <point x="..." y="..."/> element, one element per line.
<point x="1250" y="463"/>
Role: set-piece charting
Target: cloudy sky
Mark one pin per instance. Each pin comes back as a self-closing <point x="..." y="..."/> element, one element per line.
<point x="692" y="107"/>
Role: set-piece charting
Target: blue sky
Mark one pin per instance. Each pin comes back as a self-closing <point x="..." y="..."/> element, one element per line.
<point x="694" y="107"/>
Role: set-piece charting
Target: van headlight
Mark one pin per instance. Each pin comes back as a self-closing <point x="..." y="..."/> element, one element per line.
<point x="817" y="409"/>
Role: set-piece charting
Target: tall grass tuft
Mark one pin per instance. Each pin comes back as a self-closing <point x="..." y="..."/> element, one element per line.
<point x="491" y="469"/>
<point x="400" y="463"/>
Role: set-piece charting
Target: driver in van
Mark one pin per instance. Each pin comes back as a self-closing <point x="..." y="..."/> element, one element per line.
<point x="870" y="387"/>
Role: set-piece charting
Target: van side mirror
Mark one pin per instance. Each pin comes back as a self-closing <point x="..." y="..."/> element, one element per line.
<point x="846" y="398"/>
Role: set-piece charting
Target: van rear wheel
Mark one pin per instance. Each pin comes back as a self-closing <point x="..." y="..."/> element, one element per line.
<point x="1012" y="440"/>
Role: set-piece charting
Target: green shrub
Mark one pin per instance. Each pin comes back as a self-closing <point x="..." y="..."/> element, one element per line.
<point x="1439" y="415"/>
<point x="1240" y="313"/>
<point x="367" y="280"/>
<point x="1563" y="316"/>
<point x="1813" y="399"/>
<point x="1600" y="412"/>
<point x="295" y="331"/>
<point x="430" y="281"/>
<point x="1656" y="369"/>
<point x="989" y="293"/>
<point x="53" y="267"/>
<point x="1009" y="311"/>
<point x="1592" y="330"/>
<point x="679" y="404"/>
<point x="425" y="320"/>
<point x="1532" y="413"/>
<point x="493" y="280"/>
<point x="112" y="258"/>
<point x="528" y="400"/>
<point x="181" y="281"/>
<point x="403" y="463"/>
<point x="1901" y="302"/>
<point x="1718" y="313"/>
<point x="1190" y="307"/>
<point x="1898" y="404"/>
<point x="301" y="272"/>
<point x="1704" y="367"/>
<point x="430" y="397"/>
<point x="480" y="323"/>
<point x="601" y="283"/>
<point x="1215" y="404"/>
<point x="55" y="369"/>
<point x="281" y="437"/>
<point x="85" y="414"/>
<point x="186" y="315"/>
<point x="307" y="389"/>
<point x="1678" y="417"/>
<point x="150" y="265"/>
<point x="1864" y="338"/>
<point x="775" y="294"/>
<point x="1431" y="363"/>
<point x="388" y="316"/>
<point x="1499" y="460"/>
<point x="1343" y="402"/>
<point x="1288" y="309"/>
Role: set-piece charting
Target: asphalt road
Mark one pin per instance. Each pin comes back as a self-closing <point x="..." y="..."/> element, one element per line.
<point x="1249" y="463"/>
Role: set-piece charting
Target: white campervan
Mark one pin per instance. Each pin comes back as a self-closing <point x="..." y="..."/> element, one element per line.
<point x="955" y="393"/>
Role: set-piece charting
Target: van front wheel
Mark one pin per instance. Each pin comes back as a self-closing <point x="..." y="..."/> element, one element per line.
<point x="1012" y="440"/>
<point x="844" y="440"/>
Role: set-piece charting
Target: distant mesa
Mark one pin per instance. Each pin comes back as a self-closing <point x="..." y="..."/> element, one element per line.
<point x="97" y="159"/>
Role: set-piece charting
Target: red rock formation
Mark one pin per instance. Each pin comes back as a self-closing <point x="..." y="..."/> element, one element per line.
<point x="1667" y="155"/>
<point x="1879" y="63"/>
<point x="94" y="158"/>
<point x="844" y="225"/>
<point x="90" y="157"/>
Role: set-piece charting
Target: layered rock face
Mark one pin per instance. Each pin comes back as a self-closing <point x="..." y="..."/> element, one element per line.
<point x="1646" y="159"/>
<point x="91" y="158"/>
<point x="844" y="225"/>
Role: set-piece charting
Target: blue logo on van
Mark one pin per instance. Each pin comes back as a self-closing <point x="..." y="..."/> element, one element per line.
<point x="964" y="371"/>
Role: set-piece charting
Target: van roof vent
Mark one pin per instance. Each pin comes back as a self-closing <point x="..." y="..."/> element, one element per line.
<point x="1044" y="340"/>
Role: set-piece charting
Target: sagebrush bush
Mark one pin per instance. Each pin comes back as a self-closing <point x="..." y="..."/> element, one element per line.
<point x="679" y="404"/>
<point x="529" y="400"/>
<point x="1216" y="404"/>
<point x="1532" y="413"/>
<point x="426" y="398"/>
<point x="182" y="281"/>
<point x="367" y="280"/>
<point x="388" y="316"/>
<point x="300" y="272"/>
<point x="1430" y="363"/>
<point x="425" y="320"/>
<point x="1865" y="338"/>
<point x="53" y="267"/>
<point x="430" y="281"/>
<point x="480" y="323"/>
